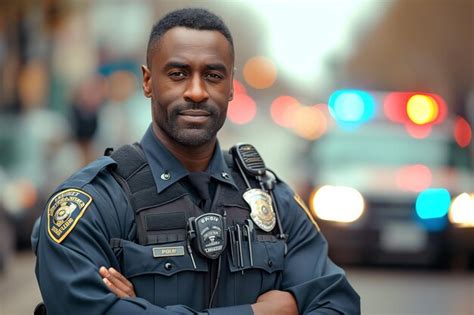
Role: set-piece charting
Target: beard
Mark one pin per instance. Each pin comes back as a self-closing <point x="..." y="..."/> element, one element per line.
<point x="192" y="134"/>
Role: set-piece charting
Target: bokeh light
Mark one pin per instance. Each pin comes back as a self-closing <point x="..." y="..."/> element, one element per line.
<point x="414" y="177"/>
<point x="425" y="108"/>
<point x="433" y="203"/>
<point x="394" y="107"/>
<point x="418" y="131"/>
<point x="260" y="72"/>
<point x="422" y="109"/>
<point x="242" y="109"/>
<point x="351" y="107"/>
<point x="282" y="110"/>
<point x="337" y="203"/>
<point x="239" y="88"/>
<point x="309" y="122"/>
<point x="462" y="132"/>
<point x="462" y="210"/>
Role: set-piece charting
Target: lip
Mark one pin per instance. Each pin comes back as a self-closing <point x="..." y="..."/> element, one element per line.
<point x="194" y="116"/>
<point x="194" y="112"/>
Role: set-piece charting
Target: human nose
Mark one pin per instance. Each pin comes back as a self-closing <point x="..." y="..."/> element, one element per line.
<point x="196" y="90"/>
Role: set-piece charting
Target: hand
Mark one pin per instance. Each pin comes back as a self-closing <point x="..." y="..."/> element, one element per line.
<point x="117" y="283"/>
<point x="275" y="303"/>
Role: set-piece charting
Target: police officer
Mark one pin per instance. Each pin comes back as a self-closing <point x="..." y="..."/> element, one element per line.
<point x="174" y="225"/>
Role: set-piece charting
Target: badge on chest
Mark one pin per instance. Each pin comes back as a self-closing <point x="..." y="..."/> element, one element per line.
<point x="261" y="207"/>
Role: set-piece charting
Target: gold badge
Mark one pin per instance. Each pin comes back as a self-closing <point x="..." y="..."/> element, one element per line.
<point x="64" y="211"/>
<point x="261" y="208"/>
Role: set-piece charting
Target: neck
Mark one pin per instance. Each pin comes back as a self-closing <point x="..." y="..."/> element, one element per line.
<point x="194" y="158"/>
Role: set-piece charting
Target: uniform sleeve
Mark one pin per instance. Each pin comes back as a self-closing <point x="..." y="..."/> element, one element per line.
<point x="68" y="271"/>
<point x="318" y="285"/>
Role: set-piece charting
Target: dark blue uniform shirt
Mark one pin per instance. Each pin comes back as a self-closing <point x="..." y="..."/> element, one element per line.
<point x="92" y="208"/>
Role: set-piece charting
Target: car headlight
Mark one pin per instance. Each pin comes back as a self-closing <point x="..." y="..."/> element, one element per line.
<point x="337" y="203"/>
<point x="462" y="210"/>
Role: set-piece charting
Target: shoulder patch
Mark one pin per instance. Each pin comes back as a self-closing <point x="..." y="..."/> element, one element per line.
<point x="303" y="206"/>
<point x="64" y="211"/>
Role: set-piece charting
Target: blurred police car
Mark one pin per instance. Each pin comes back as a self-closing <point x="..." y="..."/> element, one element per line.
<point x="392" y="180"/>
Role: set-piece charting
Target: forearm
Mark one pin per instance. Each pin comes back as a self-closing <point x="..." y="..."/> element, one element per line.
<point x="123" y="288"/>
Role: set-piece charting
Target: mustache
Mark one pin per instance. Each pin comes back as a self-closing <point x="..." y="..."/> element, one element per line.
<point x="213" y="110"/>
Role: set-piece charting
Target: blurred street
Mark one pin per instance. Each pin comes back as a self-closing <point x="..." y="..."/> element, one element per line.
<point x="383" y="292"/>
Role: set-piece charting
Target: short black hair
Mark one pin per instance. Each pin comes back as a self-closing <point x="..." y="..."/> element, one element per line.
<point x="192" y="18"/>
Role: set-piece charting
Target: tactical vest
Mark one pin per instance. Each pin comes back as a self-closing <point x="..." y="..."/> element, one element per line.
<point x="162" y="218"/>
<point x="161" y="221"/>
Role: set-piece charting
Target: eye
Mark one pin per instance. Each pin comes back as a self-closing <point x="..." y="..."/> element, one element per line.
<point x="177" y="75"/>
<point x="214" y="77"/>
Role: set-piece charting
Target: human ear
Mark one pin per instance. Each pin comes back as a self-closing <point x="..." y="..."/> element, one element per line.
<point x="146" y="85"/>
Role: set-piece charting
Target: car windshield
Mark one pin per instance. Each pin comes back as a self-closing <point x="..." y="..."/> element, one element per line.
<point x="386" y="146"/>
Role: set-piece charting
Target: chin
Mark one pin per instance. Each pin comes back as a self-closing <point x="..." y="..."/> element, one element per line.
<point x="194" y="137"/>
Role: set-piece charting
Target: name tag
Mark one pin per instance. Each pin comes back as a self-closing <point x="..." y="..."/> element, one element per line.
<point x="168" y="251"/>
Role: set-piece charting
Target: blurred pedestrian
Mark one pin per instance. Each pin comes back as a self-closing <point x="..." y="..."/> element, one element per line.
<point x="84" y="114"/>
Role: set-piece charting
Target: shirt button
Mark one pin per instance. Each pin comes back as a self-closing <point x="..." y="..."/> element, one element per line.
<point x="225" y="175"/>
<point x="270" y="263"/>
<point x="168" y="266"/>
<point x="165" y="176"/>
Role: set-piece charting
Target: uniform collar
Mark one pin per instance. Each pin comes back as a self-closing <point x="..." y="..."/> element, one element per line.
<point x="167" y="169"/>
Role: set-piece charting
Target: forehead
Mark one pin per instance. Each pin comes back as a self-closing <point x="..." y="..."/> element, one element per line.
<point x="193" y="45"/>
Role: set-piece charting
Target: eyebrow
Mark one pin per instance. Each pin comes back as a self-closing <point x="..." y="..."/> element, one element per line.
<point x="176" y="64"/>
<point x="182" y="65"/>
<point x="217" y="66"/>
